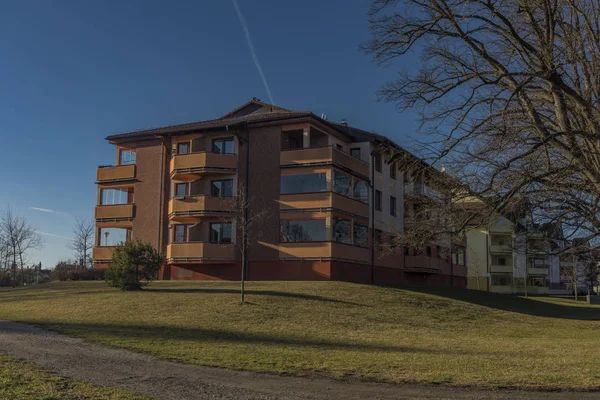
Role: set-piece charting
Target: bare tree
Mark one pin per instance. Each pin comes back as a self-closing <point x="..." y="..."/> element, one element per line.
<point x="248" y="219"/>
<point x="83" y="241"/>
<point x="510" y="89"/>
<point x="20" y="238"/>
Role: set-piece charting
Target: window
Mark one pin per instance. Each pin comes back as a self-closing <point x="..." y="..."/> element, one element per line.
<point x="305" y="183"/>
<point x="502" y="279"/>
<point x="539" y="281"/>
<point x="500" y="242"/>
<point x="428" y="251"/>
<point x="223" y="146"/>
<point x="222" y="188"/>
<point x="378" y="238"/>
<point x="501" y="261"/>
<point x="378" y="200"/>
<point x="438" y="251"/>
<point x="361" y="191"/>
<point x="361" y="235"/>
<point x="113" y="236"/>
<point x="406" y="251"/>
<point x="114" y="196"/>
<point x="181" y="190"/>
<point x="220" y="232"/>
<point x="183" y="148"/>
<point x="312" y="230"/>
<point x="127" y="157"/>
<point x="392" y="205"/>
<point x="377" y="160"/>
<point x="393" y="171"/>
<point x="342" y="230"/>
<point x="355" y="152"/>
<point x="458" y="256"/>
<point x="342" y="183"/>
<point x="180" y="233"/>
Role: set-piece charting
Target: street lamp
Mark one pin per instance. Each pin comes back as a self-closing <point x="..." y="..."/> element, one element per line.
<point x="106" y="238"/>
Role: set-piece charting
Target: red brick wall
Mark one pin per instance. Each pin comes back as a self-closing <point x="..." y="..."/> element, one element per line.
<point x="289" y="270"/>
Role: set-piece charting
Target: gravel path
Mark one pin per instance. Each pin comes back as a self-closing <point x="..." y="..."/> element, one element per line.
<point x="76" y="358"/>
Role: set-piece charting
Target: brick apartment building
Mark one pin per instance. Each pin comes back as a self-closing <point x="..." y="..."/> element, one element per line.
<point x="328" y="193"/>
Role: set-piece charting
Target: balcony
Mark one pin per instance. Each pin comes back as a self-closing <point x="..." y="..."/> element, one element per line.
<point x="500" y="249"/>
<point x="200" y="252"/>
<point x="322" y="201"/>
<point x="323" y="156"/>
<point x="422" y="263"/>
<point x="117" y="173"/>
<point x="418" y="190"/>
<point x="102" y="253"/>
<point x="501" y="268"/>
<point x="189" y="167"/>
<point x="323" y="250"/>
<point x="114" y="212"/>
<point x="192" y="208"/>
<point x="538" y="270"/>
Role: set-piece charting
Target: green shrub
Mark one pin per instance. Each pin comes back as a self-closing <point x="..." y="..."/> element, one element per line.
<point x="134" y="264"/>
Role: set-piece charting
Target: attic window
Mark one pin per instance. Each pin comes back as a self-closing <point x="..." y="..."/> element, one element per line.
<point x="500" y="222"/>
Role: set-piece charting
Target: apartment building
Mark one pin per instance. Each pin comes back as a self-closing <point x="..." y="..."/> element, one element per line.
<point x="511" y="254"/>
<point x="330" y="198"/>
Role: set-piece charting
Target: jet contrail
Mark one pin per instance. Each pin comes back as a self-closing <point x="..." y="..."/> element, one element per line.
<point x="254" y="56"/>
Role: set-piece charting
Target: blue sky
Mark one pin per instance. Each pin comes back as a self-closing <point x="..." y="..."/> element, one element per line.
<point x="73" y="72"/>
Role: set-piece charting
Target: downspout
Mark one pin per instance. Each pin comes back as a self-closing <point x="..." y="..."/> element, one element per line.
<point x="373" y="217"/>
<point x="162" y="196"/>
<point x="246" y="190"/>
<point x="487" y="259"/>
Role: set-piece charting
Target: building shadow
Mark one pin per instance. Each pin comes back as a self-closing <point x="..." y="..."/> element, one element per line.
<point x="274" y="293"/>
<point x="513" y="303"/>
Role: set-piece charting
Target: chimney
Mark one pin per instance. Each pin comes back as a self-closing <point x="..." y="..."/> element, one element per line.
<point x="344" y="122"/>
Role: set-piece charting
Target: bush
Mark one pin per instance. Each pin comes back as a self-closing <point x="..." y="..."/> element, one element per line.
<point x="134" y="264"/>
<point x="67" y="272"/>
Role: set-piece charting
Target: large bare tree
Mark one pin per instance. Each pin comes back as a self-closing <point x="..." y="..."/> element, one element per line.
<point x="510" y="91"/>
<point x="83" y="241"/>
<point x="248" y="219"/>
<point x="19" y="238"/>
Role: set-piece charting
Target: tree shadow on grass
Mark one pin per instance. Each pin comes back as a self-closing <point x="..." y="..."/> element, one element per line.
<point x="275" y="293"/>
<point x="155" y="334"/>
<point x="513" y="303"/>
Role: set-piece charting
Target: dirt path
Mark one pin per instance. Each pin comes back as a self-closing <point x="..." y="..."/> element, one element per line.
<point x="161" y="379"/>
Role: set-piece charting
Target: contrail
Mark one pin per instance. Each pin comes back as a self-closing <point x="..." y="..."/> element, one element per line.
<point x="53" y="235"/>
<point x="47" y="210"/>
<point x="251" y="46"/>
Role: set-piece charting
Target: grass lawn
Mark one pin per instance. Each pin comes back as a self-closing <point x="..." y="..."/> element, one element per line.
<point x="333" y="329"/>
<point x="23" y="380"/>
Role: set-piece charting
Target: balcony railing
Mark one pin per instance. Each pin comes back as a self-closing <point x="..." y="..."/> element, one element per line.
<point x="323" y="250"/>
<point x="502" y="249"/>
<point x="501" y="268"/>
<point x="118" y="211"/>
<point x="112" y="173"/>
<point x="200" y="252"/>
<point x="190" y="166"/>
<point x="102" y="253"/>
<point x="327" y="155"/>
<point x="322" y="201"/>
<point x="199" y="205"/>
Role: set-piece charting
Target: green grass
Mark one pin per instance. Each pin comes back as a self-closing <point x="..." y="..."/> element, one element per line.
<point x="23" y="380"/>
<point x="333" y="329"/>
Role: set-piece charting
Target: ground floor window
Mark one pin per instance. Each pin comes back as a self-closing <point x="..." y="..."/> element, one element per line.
<point x="502" y="279"/>
<point x="361" y="233"/>
<point x="342" y="229"/>
<point x="539" y="281"/>
<point x="311" y="230"/>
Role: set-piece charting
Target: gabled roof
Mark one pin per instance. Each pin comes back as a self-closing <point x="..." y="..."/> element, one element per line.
<point x="253" y="106"/>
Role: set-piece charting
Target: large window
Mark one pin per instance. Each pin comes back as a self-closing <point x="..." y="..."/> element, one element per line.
<point x="181" y="190"/>
<point x="114" y="196"/>
<point x="342" y="183"/>
<point x="393" y="170"/>
<point x="361" y="233"/>
<point x="378" y="200"/>
<point x="501" y="279"/>
<point x="222" y="188"/>
<point x="342" y="230"/>
<point x="180" y="235"/>
<point x="392" y="205"/>
<point x="127" y="157"/>
<point x="183" y="148"/>
<point x="223" y="146"/>
<point x="361" y="191"/>
<point x="113" y="236"/>
<point x="312" y="230"/>
<point x="220" y="232"/>
<point x="305" y="183"/>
